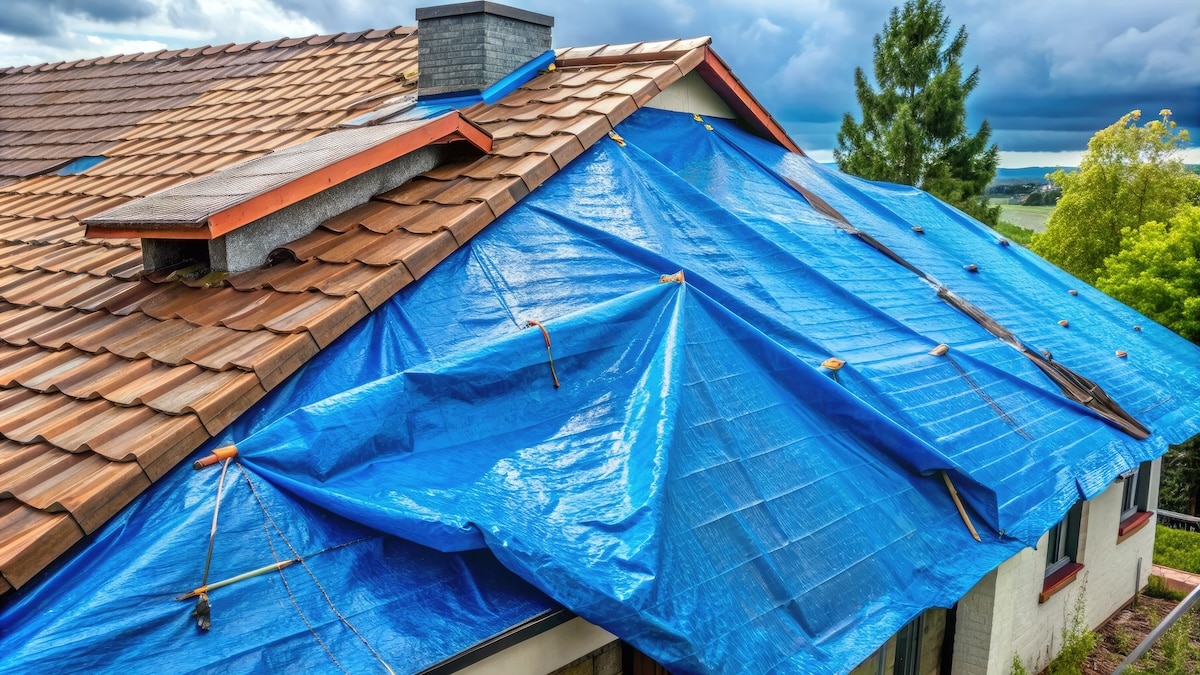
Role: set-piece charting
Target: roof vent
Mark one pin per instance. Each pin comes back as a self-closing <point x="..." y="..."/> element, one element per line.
<point x="469" y="46"/>
<point x="229" y="221"/>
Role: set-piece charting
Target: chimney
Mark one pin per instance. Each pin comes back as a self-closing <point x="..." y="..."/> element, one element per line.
<point x="467" y="47"/>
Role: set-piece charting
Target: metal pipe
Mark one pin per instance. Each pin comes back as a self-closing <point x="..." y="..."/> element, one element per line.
<point x="1137" y="583"/>
<point x="1158" y="631"/>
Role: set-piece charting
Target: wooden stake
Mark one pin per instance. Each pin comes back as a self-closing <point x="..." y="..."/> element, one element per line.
<point x="957" y="502"/>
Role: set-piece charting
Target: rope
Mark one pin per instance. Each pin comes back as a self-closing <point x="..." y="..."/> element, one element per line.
<point x="212" y="533"/>
<point x="203" y="609"/>
<point x="303" y="563"/>
<point x="546" y="335"/>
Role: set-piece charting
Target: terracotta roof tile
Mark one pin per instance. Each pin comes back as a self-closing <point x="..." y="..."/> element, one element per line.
<point x="89" y="487"/>
<point x="32" y="539"/>
<point x="109" y="377"/>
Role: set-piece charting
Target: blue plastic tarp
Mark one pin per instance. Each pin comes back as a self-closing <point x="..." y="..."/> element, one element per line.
<point x="699" y="484"/>
<point x="110" y="606"/>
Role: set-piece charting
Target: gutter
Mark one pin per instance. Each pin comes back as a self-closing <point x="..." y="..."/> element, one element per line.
<point x="497" y="643"/>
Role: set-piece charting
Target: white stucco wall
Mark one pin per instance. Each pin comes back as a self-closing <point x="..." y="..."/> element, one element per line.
<point x="1001" y="616"/>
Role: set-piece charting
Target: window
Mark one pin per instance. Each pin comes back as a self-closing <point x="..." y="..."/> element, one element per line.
<point x="1129" y="505"/>
<point x="1062" y="552"/>
<point x="908" y="648"/>
<point x="1059" y="545"/>
<point x="901" y="654"/>
<point x="1135" y="498"/>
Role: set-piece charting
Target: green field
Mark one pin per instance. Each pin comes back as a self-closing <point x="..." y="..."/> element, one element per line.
<point x="1177" y="549"/>
<point x="1030" y="217"/>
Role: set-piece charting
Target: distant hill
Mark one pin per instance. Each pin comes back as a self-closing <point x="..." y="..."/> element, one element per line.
<point x="1028" y="174"/>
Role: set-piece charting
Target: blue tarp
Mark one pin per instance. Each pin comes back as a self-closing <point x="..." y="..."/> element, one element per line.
<point x="109" y="606"/>
<point x="699" y="485"/>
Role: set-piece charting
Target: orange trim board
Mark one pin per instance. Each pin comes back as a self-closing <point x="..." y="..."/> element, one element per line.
<point x="446" y="129"/>
<point x="717" y="75"/>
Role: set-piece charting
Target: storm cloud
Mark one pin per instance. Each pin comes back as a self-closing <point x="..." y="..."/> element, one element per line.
<point x="1052" y="73"/>
<point x="50" y="18"/>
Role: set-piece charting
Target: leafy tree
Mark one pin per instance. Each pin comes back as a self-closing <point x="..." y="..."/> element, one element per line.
<point x="1180" y="488"/>
<point x="1157" y="272"/>
<point x="914" y="128"/>
<point x="1129" y="175"/>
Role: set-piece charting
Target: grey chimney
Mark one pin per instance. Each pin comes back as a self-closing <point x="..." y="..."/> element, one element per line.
<point x="469" y="46"/>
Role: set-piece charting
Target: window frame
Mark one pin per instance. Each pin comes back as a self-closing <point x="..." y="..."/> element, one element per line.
<point x="908" y="647"/>
<point x="1062" y="552"/>
<point x="1130" y="504"/>
<point x="1062" y="541"/>
<point x="1135" y="500"/>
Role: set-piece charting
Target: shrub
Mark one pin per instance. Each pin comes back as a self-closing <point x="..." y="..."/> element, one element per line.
<point x="1015" y="233"/>
<point x="1157" y="588"/>
<point x="1177" y="549"/>
<point x="1078" y="643"/>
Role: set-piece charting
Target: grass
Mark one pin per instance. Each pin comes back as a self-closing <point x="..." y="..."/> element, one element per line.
<point x="1177" y="549"/>
<point x="1029" y="217"/>
<point x="1157" y="588"/>
<point x="1176" y="653"/>
<point x="1015" y="233"/>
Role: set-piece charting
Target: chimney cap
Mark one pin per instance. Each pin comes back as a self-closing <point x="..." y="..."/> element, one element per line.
<point x="483" y="6"/>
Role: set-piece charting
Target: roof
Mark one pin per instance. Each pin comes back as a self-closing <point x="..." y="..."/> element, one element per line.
<point x="700" y="484"/>
<point x="111" y="376"/>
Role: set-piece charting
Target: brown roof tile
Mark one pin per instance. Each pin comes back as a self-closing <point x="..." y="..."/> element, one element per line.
<point x="32" y="539"/>
<point x="89" y="487"/>
<point x="109" y="377"/>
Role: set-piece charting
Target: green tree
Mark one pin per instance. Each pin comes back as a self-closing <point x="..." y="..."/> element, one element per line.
<point x="914" y="127"/>
<point x="1129" y="175"/>
<point x="1180" y="487"/>
<point x="1157" y="272"/>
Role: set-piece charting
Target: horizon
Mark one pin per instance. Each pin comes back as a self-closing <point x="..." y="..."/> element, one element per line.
<point x="1027" y="160"/>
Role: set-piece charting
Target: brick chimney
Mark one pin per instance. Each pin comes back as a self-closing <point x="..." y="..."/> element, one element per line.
<point x="466" y="47"/>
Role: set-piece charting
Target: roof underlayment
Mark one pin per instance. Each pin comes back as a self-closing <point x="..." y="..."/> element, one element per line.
<point x="699" y="484"/>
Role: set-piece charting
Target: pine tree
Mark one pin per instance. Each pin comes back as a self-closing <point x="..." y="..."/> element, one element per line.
<point x="914" y="127"/>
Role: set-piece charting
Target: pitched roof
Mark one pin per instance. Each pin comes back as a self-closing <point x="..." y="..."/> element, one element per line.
<point x="110" y="376"/>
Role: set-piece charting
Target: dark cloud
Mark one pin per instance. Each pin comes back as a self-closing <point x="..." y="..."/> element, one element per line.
<point x="111" y="11"/>
<point x="1051" y="72"/>
<point x="48" y="18"/>
<point x="27" y="19"/>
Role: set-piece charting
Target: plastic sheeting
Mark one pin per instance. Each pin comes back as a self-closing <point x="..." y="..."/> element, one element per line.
<point x="699" y="485"/>
<point x="110" y="606"/>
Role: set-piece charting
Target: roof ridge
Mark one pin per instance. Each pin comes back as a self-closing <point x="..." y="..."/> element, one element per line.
<point x="210" y="50"/>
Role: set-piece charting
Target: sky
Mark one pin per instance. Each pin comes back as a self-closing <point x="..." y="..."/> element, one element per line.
<point x="1053" y="72"/>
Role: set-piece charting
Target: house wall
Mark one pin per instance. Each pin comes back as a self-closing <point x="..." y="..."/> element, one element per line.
<point x="1001" y="617"/>
<point x="690" y="94"/>
<point x="574" y="644"/>
<point x="933" y="632"/>
<point x="604" y="661"/>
